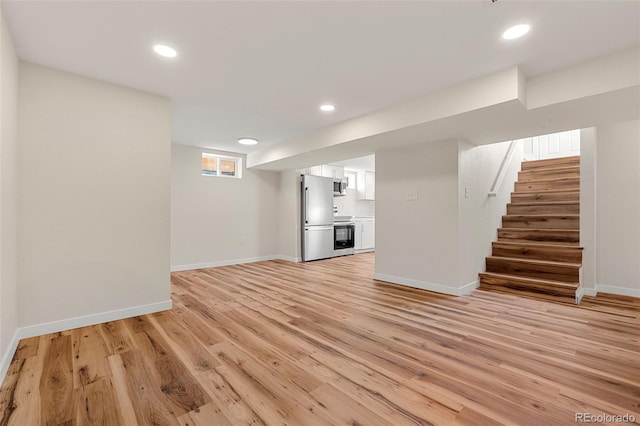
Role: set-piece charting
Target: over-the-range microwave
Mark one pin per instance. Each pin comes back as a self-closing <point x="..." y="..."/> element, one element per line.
<point x="339" y="187"/>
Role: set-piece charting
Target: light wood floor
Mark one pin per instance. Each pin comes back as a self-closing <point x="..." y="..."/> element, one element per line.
<point x="323" y="343"/>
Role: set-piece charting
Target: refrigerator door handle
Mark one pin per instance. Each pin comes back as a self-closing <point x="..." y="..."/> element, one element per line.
<point x="306" y="204"/>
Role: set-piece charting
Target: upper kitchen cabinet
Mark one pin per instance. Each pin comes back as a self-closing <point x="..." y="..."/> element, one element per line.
<point x="313" y="171"/>
<point x="366" y="186"/>
<point x="336" y="172"/>
<point x="325" y="170"/>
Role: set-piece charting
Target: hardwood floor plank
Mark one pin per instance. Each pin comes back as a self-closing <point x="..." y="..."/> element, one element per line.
<point x="26" y="407"/>
<point x="149" y="404"/>
<point x="96" y="404"/>
<point x="122" y="390"/>
<point x="272" y="407"/>
<point x="56" y="383"/>
<point x="322" y="342"/>
<point x="27" y="348"/>
<point x="226" y="397"/>
<point x="301" y="404"/>
<point x="207" y="415"/>
<point x="345" y="410"/>
<point x="171" y="377"/>
<point x="90" y="353"/>
<point x="8" y="391"/>
<point x="183" y="343"/>
<point x="116" y="336"/>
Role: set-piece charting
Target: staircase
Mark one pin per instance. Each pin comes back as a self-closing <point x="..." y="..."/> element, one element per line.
<point x="537" y="253"/>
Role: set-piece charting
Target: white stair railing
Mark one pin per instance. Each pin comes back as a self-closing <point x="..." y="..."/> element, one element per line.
<point x="506" y="161"/>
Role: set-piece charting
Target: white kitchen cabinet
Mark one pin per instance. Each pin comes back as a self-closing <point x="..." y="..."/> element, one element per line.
<point x="313" y="171"/>
<point x="365" y="238"/>
<point x="366" y="186"/>
<point x="336" y="172"/>
<point x="368" y="235"/>
<point x="326" y="170"/>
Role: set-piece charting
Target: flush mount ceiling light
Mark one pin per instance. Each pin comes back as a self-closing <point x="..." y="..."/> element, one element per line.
<point x="516" y="31"/>
<point x="166" y="51"/>
<point x="247" y="141"/>
<point x="327" y="107"/>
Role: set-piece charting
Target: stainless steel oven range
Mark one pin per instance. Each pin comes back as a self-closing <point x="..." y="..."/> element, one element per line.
<point x="344" y="231"/>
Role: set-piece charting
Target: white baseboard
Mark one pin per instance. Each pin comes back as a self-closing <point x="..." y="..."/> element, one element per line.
<point x="288" y="258"/>
<point x="8" y="355"/>
<point x="190" y="267"/>
<point x="71" y="323"/>
<point x="438" y="288"/>
<point x="589" y="291"/>
<point x="622" y="291"/>
<point x="468" y="288"/>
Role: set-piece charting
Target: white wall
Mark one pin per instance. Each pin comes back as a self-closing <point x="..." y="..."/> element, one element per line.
<point x="8" y="194"/>
<point x="349" y="205"/>
<point x="439" y="242"/>
<point x="94" y="176"/>
<point x="618" y="208"/>
<point x="417" y="241"/>
<point x="481" y="215"/>
<point x="588" y="230"/>
<point x="216" y="220"/>
<point x="289" y="216"/>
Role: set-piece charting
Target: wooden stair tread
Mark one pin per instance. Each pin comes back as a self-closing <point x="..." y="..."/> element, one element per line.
<point x="538" y="216"/>
<point x="551" y="283"/>
<point x="550" y="163"/>
<point x="542" y="221"/>
<point x="548" y="203"/>
<point x="561" y="167"/>
<point x="535" y="188"/>
<point x="535" y="196"/>
<point x="538" y="230"/>
<point x="531" y="294"/>
<point x="535" y="261"/>
<point x="537" y="244"/>
<point x="532" y="175"/>
<point x="548" y="236"/>
<point x="559" y="191"/>
<point x="544" y="208"/>
<point x="536" y="250"/>
<point x="552" y="179"/>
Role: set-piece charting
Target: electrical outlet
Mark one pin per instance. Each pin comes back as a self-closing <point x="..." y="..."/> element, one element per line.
<point x="467" y="192"/>
<point x="412" y="195"/>
<point x="242" y="241"/>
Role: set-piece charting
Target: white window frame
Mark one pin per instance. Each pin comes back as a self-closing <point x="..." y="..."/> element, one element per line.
<point x="237" y="160"/>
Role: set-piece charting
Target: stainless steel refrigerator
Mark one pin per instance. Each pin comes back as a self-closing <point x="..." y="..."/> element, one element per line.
<point x="317" y="217"/>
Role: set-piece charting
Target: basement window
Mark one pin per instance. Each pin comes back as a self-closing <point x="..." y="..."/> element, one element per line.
<point x="220" y="165"/>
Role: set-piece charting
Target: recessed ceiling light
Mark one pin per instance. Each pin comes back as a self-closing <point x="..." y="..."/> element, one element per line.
<point x="166" y="51"/>
<point x="516" y="31"/>
<point x="327" y="107"/>
<point x="247" y="141"/>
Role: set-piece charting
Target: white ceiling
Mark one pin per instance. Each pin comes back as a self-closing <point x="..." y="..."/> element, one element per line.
<point x="262" y="68"/>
